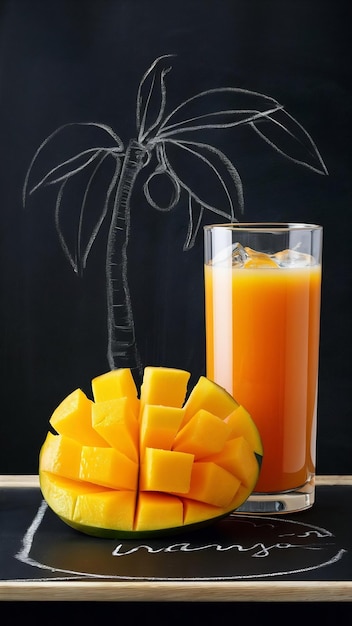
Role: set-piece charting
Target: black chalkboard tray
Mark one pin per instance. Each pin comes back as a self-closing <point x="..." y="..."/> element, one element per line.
<point x="301" y="557"/>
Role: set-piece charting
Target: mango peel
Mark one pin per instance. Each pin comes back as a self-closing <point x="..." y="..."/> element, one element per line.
<point x="121" y="465"/>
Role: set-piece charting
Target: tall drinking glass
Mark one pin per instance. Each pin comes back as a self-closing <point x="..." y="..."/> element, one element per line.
<point x="262" y="312"/>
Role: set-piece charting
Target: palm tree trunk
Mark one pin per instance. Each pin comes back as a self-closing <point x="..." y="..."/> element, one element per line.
<point x="122" y="348"/>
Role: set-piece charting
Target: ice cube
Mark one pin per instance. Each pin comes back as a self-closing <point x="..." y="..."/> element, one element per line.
<point x="239" y="255"/>
<point x="232" y="255"/>
<point x="257" y="260"/>
<point x="292" y="258"/>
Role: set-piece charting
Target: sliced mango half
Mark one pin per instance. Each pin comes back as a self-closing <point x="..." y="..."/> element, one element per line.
<point x="121" y="465"/>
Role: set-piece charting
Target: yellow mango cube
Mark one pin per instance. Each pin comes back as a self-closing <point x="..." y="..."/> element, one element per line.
<point x="241" y="424"/>
<point x="109" y="468"/>
<point x="204" y="434"/>
<point x="115" y="421"/>
<point x="118" y="383"/>
<point x="165" y="470"/>
<point x="194" y="512"/>
<point x="64" y="492"/>
<point x="73" y="418"/>
<point x="163" y="385"/>
<point x="110" y="509"/>
<point x="212" y="484"/>
<point x="158" y="510"/>
<point x="61" y="455"/>
<point x="209" y="396"/>
<point x="238" y="458"/>
<point x="158" y="426"/>
<point x="240" y="497"/>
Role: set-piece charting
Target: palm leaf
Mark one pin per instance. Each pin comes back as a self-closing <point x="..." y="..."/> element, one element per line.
<point x="86" y="215"/>
<point x="64" y="141"/>
<point x="68" y="168"/>
<point x="207" y="175"/>
<point x="285" y="135"/>
<point x="195" y="219"/>
<point x="151" y="97"/>
<point x="217" y="108"/>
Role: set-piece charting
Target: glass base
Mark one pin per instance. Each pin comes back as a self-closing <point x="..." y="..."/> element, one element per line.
<point x="292" y="501"/>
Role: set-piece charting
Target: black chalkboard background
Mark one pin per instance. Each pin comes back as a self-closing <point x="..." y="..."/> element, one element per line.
<point x="82" y="61"/>
<point x="310" y="546"/>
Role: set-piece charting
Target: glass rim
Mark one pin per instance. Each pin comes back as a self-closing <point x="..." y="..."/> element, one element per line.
<point x="261" y="227"/>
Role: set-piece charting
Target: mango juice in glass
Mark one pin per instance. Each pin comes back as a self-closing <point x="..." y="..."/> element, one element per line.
<point x="262" y="312"/>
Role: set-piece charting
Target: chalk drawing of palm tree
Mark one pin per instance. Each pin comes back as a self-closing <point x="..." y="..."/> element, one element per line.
<point x="163" y="136"/>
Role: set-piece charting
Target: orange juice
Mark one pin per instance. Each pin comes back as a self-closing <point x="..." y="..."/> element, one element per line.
<point x="262" y="344"/>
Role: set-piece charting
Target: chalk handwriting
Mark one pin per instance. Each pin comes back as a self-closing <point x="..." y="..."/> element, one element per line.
<point x="316" y="533"/>
<point x="255" y="550"/>
<point x="166" y="136"/>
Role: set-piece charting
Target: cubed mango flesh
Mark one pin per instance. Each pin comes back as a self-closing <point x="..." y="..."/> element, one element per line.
<point x="194" y="510"/>
<point x="159" y="426"/>
<point x="241" y="423"/>
<point x="209" y="396"/>
<point x="108" y="509"/>
<point x="73" y="418"/>
<point x="64" y="492"/>
<point x="158" y="511"/>
<point x="165" y="470"/>
<point x="117" y="383"/>
<point x="115" y="421"/>
<point x="108" y="467"/>
<point x="237" y="457"/>
<point x="203" y="434"/>
<point x="165" y="386"/>
<point x="212" y="484"/>
<point x="124" y="466"/>
<point x="61" y="455"/>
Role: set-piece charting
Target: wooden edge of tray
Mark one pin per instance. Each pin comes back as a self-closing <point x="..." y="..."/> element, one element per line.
<point x="32" y="480"/>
